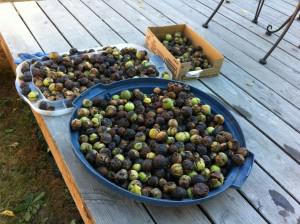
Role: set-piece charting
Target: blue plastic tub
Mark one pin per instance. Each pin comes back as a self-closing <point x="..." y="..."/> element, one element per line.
<point x="234" y="179"/>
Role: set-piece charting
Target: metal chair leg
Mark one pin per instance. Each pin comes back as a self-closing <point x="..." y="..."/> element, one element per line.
<point x="288" y="25"/>
<point x="205" y="25"/>
<point x="269" y="27"/>
<point x="258" y="10"/>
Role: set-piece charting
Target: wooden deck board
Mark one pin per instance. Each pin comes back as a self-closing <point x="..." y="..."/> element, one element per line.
<point x="21" y="39"/>
<point x="68" y="25"/>
<point x="41" y="27"/>
<point x="243" y="212"/>
<point x="98" y="28"/>
<point x="118" y="23"/>
<point x="272" y="136"/>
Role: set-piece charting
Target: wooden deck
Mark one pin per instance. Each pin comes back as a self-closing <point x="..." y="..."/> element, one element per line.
<point x="264" y="99"/>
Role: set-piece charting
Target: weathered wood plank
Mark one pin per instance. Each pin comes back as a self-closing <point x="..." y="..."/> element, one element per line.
<point x="290" y="2"/>
<point x="21" y="39"/>
<point x="41" y="27"/>
<point x="281" y="6"/>
<point x="104" y="34"/>
<point x="146" y="10"/>
<point x="268" y="13"/>
<point x="110" y="213"/>
<point x="71" y="29"/>
<point x="115" y="21"/>
<point x="289" y="92"/>
<point x="270" y="199"/>
<point x="235" y="209"/>
<point x="261" y="144"/>
<point x="190" y="214"/>
<point x="257" y="34"/>
<point x="138" y="20"/>
<point x="132" y="16"/>
<point x="263" y="94"/>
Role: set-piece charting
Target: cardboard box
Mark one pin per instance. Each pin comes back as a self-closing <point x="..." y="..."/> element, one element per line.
<point x="180" y="70"/>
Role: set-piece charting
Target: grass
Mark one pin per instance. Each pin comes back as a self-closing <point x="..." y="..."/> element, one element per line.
<point x="31" y="184"/>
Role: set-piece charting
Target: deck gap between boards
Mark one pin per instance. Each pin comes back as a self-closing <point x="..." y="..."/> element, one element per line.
<point x="33" y="36"/>
<point x="140" y="13"/>
<point x="92" y="35"/>
<point x="103" y="21"/>
<point x="274" y="179"/>
<point x="142" y="32"/>
<point x="289" y="3"/>
<point x="58" y="30"/>
<point x="253" y="206"/>
<point x="206" y="214"/>
<point x="258" y="101"/>
<point x="271" y="7"/>
<point x="149" y="213"/>
<point x="297" y="87"/>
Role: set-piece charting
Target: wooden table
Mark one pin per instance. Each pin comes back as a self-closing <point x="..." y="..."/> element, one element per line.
<point x="264" y="99"/>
